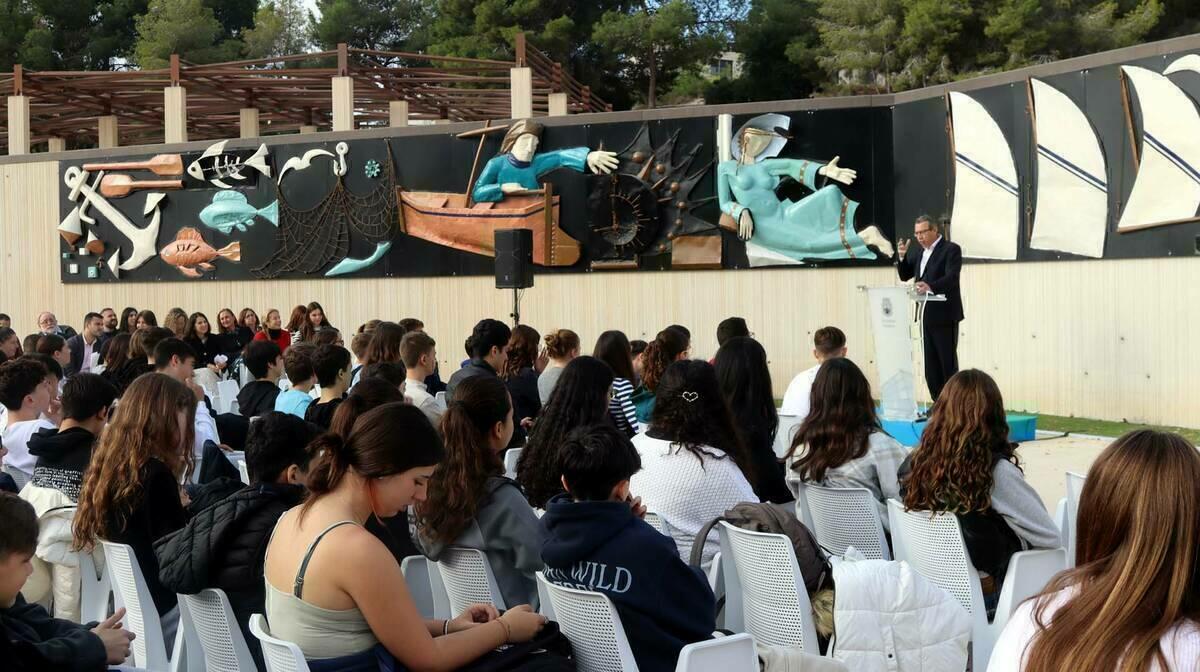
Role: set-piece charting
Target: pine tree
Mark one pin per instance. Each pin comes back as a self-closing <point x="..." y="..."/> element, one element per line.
<point x="281" y="28"/>
<point x="861" y="42"/>
<point x="184" y="27"/>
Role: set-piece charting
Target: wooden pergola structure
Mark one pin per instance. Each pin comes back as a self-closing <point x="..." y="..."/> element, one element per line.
<point x="340" y="89"/>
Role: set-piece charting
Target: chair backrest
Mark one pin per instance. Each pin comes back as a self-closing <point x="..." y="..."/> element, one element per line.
<point x="243" y="470"/>
<point x="218" y="632"/>
<point x="94" y="586"/>
<point x="788" y="424"/>
<point x="656" y="521"/>
<point x="765" y="593"/>
<point x="280" y="656"/>
<point x="227" y="391"/>
<point x="415" y="569"/>
<point x="468" y="579"/>
<point x="1074" y="490"/>
<point x="592" y="624"/>
<point x="734" y="653"/>
<point x="932" y="544"/>
<point x="440" y="398"/>
<point x="845" y="517"/>
<point x="510" y="462"/>
<point x="141" y="615"/>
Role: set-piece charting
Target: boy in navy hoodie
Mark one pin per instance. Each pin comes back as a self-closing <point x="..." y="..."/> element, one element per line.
<point x="593" y="538"/>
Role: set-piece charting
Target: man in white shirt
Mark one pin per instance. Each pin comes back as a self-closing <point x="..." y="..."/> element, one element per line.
<point x="26" y="389"/>
<point x="176" y="359"/>
<point x="419" y="353"/>
<point x="82" y="345"/>
<point x="828" y="343"/>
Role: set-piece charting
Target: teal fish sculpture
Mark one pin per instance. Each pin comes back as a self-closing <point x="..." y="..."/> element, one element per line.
<point x="230" y="210"/>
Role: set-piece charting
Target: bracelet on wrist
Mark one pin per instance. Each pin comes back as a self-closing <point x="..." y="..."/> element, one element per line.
<point x="446" y="626"/>
<point x="507" y="630"/>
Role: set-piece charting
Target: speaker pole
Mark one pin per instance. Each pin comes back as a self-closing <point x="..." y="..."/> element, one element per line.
<point x="516" y="314"/>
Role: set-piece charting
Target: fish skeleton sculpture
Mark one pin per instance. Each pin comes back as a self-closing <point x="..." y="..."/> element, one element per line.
<point x="215" y="166"/>
<point x="189" y="250"/>
<point x="230" y="210"/>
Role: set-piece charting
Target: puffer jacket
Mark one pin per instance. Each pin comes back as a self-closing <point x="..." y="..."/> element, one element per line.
<point x="889" y="618"/>
<point x="224" y="546"/>
<point x="55" y="566"/>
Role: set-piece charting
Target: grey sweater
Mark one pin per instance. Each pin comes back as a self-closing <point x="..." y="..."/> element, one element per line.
<point x="1021" y="507"/>
<point x="506" y="530"/>
<point x="547" y="380"/>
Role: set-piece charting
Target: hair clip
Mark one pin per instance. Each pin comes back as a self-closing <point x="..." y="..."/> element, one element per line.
<point x="690" y="396"/>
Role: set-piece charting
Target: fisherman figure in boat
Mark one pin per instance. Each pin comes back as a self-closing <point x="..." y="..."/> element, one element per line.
<point x="518" y="165"/>
<point x="818" y="226"/>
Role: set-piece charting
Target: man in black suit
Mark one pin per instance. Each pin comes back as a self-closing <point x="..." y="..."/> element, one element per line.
<point x="936" y="264"/>
<point x="83" y="345"/>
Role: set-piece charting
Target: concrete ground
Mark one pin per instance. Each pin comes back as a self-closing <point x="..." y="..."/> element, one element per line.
<point x="1046" y="462"/>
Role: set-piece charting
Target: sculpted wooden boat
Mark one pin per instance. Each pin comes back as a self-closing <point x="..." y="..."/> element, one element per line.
<point x="448" y="219"/>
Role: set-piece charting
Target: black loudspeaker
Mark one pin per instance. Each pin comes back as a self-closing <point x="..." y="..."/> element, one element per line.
<point x="514" y="258"/>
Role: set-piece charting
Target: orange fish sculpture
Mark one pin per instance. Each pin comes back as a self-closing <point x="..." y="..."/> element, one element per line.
<point x="189" y="250"/>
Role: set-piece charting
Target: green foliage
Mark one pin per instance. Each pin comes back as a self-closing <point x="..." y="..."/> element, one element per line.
<point x="778" y="42"/>
<point x="387" y="25"/>
<point x="280" y="29"/>
<point x="234" y="16"/>
<point x="184" y="27"/>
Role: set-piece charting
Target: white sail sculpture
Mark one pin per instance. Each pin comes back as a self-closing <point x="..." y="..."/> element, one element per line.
<point x="1167" y="187"/>
<point x="1072" y="183"/>
<point x="985" y="216"/>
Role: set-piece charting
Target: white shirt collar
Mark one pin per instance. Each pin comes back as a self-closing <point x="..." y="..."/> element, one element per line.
<point x="933" y="246"/>
<point x="410" y="384"/>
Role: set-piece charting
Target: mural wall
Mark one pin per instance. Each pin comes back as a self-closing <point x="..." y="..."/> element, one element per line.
<point x="1102" y="163"/>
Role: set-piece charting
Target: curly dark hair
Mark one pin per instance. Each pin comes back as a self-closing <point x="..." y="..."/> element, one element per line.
<point x="951" y="469"/>
<point x="580" y="398"/>
<point x="522" y="350"/>
<point x="691" y="413"/>
<point x="458" y="486"/>
<point x="666" y="348"/>
<point x="839" y="424"/>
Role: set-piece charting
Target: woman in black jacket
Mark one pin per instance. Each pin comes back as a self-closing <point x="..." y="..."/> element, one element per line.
<point x="520" y="375"/>
<point x="204" y="343"/>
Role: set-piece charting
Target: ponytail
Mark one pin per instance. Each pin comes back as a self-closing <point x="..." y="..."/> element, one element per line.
<point x="328" y="466"/>
<point x="660" y="353"/>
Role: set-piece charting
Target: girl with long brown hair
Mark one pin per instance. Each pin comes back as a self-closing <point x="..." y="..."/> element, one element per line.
<point x="384" y="345"/>
<point x="470" y="503"/>
<point x="314" y="318"/>
<point x="1132" y="603"/>
<point x="131" y="493"/>
<point x="966" y="465"/>
<point x="841" y="443"/>
<point x="336" y="592"/>
<point x="669" y="346"/>
<point x="520" y="374"/>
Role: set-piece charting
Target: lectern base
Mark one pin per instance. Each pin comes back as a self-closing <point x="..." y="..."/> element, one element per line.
<point x="908" y="432"/>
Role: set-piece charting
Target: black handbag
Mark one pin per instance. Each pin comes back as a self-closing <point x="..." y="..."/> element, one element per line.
<point x="549" y="651"/>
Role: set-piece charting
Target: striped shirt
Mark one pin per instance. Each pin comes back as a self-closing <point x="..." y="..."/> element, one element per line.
<point x="620" y="406"/>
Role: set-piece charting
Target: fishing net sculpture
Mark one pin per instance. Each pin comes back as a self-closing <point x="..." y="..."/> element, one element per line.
<point x="310" y="241"/>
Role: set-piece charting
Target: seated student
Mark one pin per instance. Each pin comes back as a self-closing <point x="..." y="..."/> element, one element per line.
<point x="297" y="364"/>
<point x="694" y="464"/>
<point x="965" y="464"/>
<point x="141" y="354"/>
<point x="613" y="349"/>
<point x="828" y="343"/>
<point x="469" y="503"/>
<point x="207" y="345"/>
<point x="669" y="346"/>
<point x="390" y="372"/>
<point x="265" y="362"/>
<point x="745" y="380"/>
<point x="131" y="492"/>
<point x="594" y="539"/>
<point x="487" y="346"/>
<point x="25" y="391"/>
<point x="331" y="364"/>
<point x="274" y="332"/>
<point x="419" y="353"/>
<point x="223" y="546"/>
<point x="562" y="346"/>
<point x="62" y="457"/>
<point x="56" y="348"/>
<point x="176" y="359"/>
<point x="841" y="443"/>
<point x="521" y="376"/>
<point x="336" y="592"/>
<point x="42" y="642"/>
<point x="433" y="382"/>
<point x="580" y="398"/>
<point x="358" y="347"/>
<point x="1134" y="594"/>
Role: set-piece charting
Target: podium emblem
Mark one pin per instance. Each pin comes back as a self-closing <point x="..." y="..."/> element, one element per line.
<point x="887" y="307"/>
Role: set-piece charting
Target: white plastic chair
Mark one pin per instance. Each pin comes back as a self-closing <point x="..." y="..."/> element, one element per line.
<point x="764" y="589"/>
<point x="141" y="615"/>
<point x="800" y="490"/>
<point x="95" y="589"/>
<point x="510" y="462"/>
<point x="440" y="398"/>
<point x="227" y="391"/>
<point x="415" y="569"/>
<point x="788" y="424"/>
<point x="467" y="578"/>
<point x="933" y="545"/>
<point x="594" y="627"/>
<point x="654" y="520"/>
<point x="1074" y="490"/>
<point x="845" y="517"/>
<point x="280" y="656"/>
<point x="210" y="617"/>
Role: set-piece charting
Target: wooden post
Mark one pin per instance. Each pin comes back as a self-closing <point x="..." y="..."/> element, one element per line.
<point x="522" y="92"/>
<point x="558" y="105"/>
<point x="398" y="113"/>
<point x="18" y="125"/>
<point x="587" y="98"/>
<point x="248" y="122"/>
<point x="174" y="114"/>
<point x="107" y="131"/>
<point x="56" y="144"/>
<point x="343" y="104"/>
<point x="519" y="49"/>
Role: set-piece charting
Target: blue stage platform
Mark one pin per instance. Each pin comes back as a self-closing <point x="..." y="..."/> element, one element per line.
<point x="1020" y="428"/>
